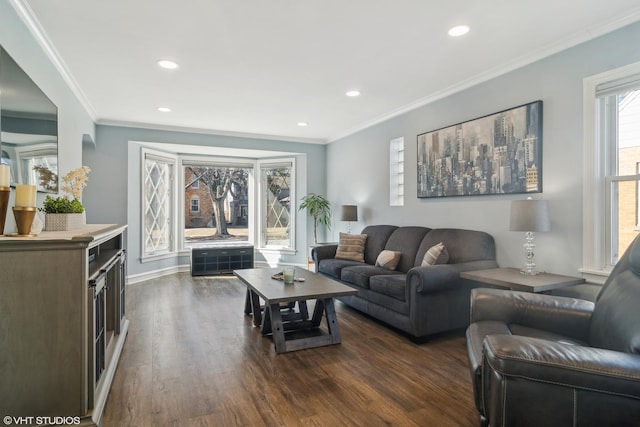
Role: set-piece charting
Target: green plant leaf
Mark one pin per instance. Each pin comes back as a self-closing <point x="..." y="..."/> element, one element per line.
<point x="61" y="205"/>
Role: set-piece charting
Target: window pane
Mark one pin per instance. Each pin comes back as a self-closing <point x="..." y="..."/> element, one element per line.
<point x="626" y="205"/>
<point x="276" y="204"/>
<point x="628" y="132"/>
<point x="220" y="213"/>
<point x="157" y="198"/>
<point x="625" y="194"/>
<point x="396" y="172"/>
<point x="195" y="204"/>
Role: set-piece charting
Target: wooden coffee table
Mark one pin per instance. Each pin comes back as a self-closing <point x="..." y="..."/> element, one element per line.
<point x="277" y="296"/>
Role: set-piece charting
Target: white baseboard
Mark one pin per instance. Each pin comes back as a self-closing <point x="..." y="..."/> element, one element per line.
<point x="148" y="275"/>
<point x="154" y="274"/>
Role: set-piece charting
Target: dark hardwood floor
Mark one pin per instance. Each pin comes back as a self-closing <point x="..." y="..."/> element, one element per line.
<point x="193" y="358"/>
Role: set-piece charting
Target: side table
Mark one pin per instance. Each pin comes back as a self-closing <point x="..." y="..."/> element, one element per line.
<point x="511" y="278"/>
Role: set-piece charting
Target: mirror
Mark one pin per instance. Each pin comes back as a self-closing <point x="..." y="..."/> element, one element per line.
<point x="28" y="129"/>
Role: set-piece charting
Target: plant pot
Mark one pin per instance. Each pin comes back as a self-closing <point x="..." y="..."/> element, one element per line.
<point x="64" y="222"/>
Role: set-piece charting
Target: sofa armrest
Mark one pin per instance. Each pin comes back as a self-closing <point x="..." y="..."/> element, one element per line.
<point x="565" y="316"/>
<point x="566" y="365"/>
<point x="439" y="277"/>
<point x="319" y="253"/>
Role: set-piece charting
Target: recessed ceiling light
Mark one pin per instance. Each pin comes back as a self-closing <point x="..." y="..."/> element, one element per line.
<point x="353" y="93"/>
<point x="164" y="109"/>
<point x="167" y="64"/>
<point x="459" y="30"/>
<point x="303" y="124"/>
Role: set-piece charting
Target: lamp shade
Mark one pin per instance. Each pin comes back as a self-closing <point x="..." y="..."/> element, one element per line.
<point x="349" y="213"/>
<point x="529" y="215"/>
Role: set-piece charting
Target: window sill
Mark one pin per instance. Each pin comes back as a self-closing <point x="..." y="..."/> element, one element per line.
<point x="285" y="251"/>
<point x="592" y="275"/>
<point x="158" y="257"/>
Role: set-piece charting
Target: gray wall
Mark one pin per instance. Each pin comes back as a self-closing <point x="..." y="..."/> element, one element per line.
<point x="357" y="165"/>
<point x="113" y="195"/>
<point x="74" y="122"/>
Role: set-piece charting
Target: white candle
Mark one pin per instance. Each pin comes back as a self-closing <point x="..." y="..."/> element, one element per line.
<point x="25" y="195"/>
<point x="5" y="177"/>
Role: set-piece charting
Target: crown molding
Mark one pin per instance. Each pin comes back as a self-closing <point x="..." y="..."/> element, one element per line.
<point x="29" y="18"/>
<point x="171" y="128"/>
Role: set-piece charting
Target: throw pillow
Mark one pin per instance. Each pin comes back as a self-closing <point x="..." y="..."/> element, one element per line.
<point x="351" y="247"/>
<point x="388" y="259"/>
<point x="437" y="254"/>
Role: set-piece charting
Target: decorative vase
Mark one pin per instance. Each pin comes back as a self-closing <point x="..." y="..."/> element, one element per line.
<point x="64" y="222"/>
<point x="36" y="225"/>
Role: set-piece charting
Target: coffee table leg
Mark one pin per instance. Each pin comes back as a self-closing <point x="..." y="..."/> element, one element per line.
<point x="266" y="322"/>
<point x="247" y="302"/>
<point x="302" y="308"/>
<point x="318" y="312"/>
<point x="255" y="307"/>
<point x="277" y="328"/>
<point x="332" y="320"/>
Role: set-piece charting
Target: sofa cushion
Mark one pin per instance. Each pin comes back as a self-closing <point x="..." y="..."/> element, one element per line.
<point x="359" y="275"/>
<point x="462" y="245"/>
<point x="436" y="254"/>
<point x="388" y="259"/>
<point x="333" y="267"/>
<point x="351" y="247"/>
<point x="392" y="285"/>
<point x="406" y="240"/>
<point x="377" y="237"/>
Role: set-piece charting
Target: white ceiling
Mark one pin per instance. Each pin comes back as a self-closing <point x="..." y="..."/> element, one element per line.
<point x="260" y="67"/>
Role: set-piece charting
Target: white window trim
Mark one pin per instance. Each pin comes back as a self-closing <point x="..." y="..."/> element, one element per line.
<point x="594" y="203"/>
<point x="171" y="252"/>
<point x="258" y="209"/>
<point x="396" y="178"/>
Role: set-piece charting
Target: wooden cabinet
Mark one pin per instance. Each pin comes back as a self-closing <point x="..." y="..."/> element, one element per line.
<point x="220" y="260"/>
<point x="62" y="321"/>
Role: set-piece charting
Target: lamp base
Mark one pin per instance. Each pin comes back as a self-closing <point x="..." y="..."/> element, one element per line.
<point x="529" y="249"/>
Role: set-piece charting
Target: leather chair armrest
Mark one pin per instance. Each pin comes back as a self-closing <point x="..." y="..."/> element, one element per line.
<point x="566" y="365"/>
<point x="439" y="277"/>
<point x="319" y="253"/>
<point x="564" y="316"/>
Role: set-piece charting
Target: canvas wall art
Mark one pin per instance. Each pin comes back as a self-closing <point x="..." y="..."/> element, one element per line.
<point x="497" y="154"/>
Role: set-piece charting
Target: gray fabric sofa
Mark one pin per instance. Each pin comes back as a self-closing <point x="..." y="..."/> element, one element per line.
<point x="420" y="301"/>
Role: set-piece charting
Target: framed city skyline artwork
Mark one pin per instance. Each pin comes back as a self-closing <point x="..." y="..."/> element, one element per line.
<point x="496" y="154"/>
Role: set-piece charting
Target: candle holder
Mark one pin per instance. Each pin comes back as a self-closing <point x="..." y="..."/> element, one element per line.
<point x="4" y="205"/>
<point x="24" y="218"/>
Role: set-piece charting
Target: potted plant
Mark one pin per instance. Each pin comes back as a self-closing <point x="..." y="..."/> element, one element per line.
<point x="66" y="212"/>
<point x="319" y="208"/>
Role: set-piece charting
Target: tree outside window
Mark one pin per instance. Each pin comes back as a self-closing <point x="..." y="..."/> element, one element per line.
<point x="222" y="192"/>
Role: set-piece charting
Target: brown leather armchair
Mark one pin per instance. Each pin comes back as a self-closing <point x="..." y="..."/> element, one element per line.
<point x="543" y="360"/>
